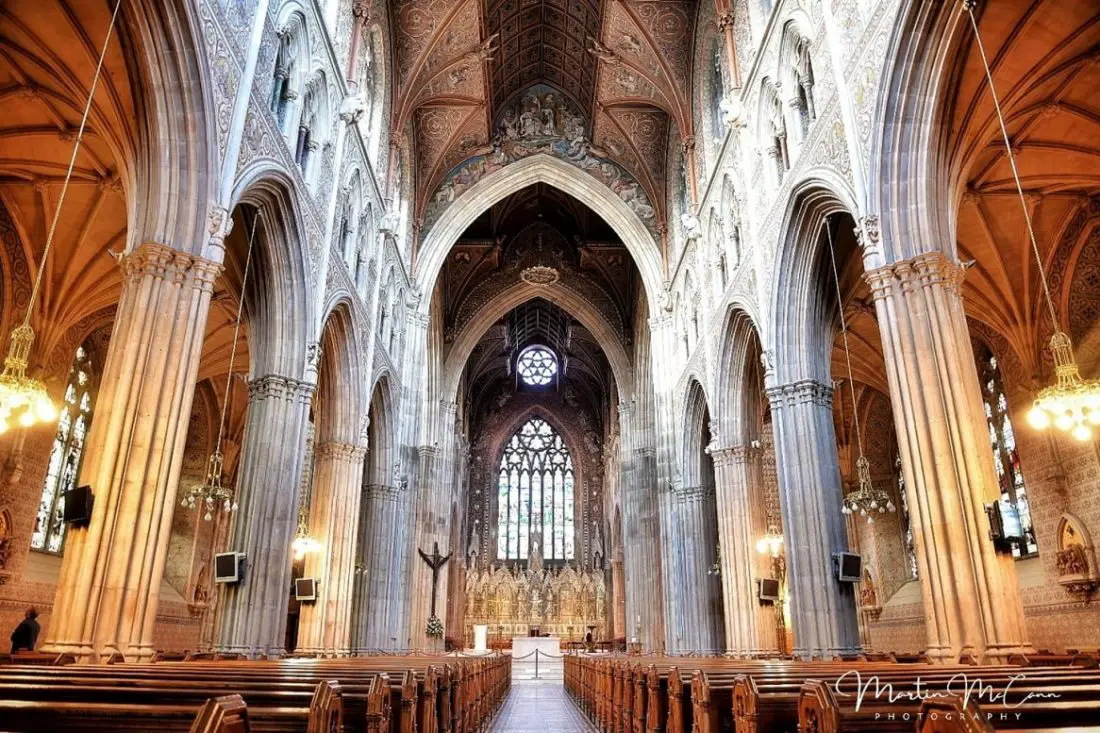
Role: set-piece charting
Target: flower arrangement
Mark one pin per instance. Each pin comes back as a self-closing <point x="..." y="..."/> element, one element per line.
<point x="434" y="627"/>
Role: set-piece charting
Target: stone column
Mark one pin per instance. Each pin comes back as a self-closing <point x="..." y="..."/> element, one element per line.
<point x="110" y="578"/>
<point x="737" y="502"/>
<point x="641" y="538"/>
<point x="378" y="552"/>
<point x="701" y="593"/>
<point x="971" y="598"/>
<point x="823" y="610"/>
<point x="325" y="625"/>
<point x="254" y="611"/>
<point x="618" y="595"/>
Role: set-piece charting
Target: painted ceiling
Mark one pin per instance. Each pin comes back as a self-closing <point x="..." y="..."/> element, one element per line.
<point x="624" y="64"/>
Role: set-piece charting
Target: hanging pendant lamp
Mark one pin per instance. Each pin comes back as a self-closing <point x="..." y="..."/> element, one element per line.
<point x="212" y="494"/>
<point x="23" y="397"/>
<point x="1071" y="404"/>
<point x="865" y="500"/>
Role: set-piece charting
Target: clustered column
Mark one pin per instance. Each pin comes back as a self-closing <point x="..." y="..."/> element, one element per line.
<point x="740" y="520"/>
<point x="254" y="611"/>
<point x="109" y="586"/>
<point x="326" y="625"/>
<point x="701" y="602"/>
<point x="823" y="609"/>
<point x="641" y="538"/>
<point x="971" y="598"/>
<point x="377" y="591"/>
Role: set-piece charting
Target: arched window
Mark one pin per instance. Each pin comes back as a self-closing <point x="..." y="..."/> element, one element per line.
<point x="1015" y="509"/>
<point x="66" y="456"/>
<point x="537" y="366"/>
<point x="535" y="492"/>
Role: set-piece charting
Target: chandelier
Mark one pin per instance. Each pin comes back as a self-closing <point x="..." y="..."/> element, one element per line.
<point x="212" y="495"/>
<point x="22" y="397"/>
<point x="1071" y="404"/>
<point x="865" y="500"/>
<point x="771" y="542"/>
<point x="303" y="543"/>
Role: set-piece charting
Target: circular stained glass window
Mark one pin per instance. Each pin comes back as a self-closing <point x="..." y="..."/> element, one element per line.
<point x="537" y="366"/>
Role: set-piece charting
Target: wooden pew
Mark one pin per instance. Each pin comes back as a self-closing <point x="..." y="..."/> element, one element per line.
<point x="226" y="714"/>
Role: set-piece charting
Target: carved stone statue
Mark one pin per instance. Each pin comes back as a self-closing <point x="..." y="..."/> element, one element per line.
<point x="534" y="553"/>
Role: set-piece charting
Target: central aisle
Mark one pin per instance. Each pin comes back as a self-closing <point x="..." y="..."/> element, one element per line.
<point x="540" y="707"/>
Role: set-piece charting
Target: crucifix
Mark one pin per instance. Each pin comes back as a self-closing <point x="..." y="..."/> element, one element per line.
<point x="435" y="561"/>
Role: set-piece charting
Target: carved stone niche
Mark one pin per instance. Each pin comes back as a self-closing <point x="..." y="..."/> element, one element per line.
<point x="1076" y="557"/>
<point x="868" y="597"/>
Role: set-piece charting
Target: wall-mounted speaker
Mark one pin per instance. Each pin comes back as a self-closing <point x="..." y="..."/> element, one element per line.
<point x="78" y="506"/>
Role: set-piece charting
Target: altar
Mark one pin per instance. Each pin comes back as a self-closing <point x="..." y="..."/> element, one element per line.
<point x="524" y="645"/>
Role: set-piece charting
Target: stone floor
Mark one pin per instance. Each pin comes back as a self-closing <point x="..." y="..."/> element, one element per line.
<point x="540" y="708"/>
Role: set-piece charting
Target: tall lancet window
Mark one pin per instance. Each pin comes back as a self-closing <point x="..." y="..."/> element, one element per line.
<point x="535" y="494"/>
<point x="73" y="423"/>
<point x="1015" y="510"/>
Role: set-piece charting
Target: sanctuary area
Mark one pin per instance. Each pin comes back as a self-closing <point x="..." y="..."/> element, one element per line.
<point x="640" y="366"/>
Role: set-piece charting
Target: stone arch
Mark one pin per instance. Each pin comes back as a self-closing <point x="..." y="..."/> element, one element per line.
<point x="291" y="66"/>
<point x="739" y="387"/>
<point x="540" y="168"/>
<point x="796" y="73"/>
<point x="801" y="332"/>
<point x="697" y="467"/>
<point x="382" y="453"/>
<point x="278" y="303"/>
<point x="338" y="398"/>
<point x="520" y="293"/>
<point x="170" y="183"/>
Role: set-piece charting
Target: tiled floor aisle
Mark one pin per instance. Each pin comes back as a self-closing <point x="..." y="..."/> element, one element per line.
<point x="540" y="708"/>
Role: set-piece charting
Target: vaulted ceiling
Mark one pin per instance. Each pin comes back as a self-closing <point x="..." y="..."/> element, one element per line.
<point x="1046" y="67"/>
<point x="624" y="64"/>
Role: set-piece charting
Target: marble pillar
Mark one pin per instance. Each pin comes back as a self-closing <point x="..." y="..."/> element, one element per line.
<point x="700" y="589"/>
<point x="971" y="597"/>
<point x="253" y="613"/>
<point x="325" y="625"/>
<point x="109" y="586"/>
<point x="377" y="556"/>
<point x="641" y="539"/>
<point x="618" y="595"/>
<point x="823" y="610"/>
<point x="741" y="521"/>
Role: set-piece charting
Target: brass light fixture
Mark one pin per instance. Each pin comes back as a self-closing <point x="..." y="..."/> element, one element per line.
<point x="865" y="500"/>
<point x="212" y="494"/>
<point x="1071" y="404"/>
<point x="23" y="397"/>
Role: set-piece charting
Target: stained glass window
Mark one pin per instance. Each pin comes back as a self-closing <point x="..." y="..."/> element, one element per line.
<point x="535" y="491"/>
<point x="906" y="524"/>
<point x="537" y="366"/>
<point x="1015" y="510"/>
<point x="73" y="424"/>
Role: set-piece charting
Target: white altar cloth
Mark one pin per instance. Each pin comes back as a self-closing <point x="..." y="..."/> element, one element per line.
<point x="524" y="645"/>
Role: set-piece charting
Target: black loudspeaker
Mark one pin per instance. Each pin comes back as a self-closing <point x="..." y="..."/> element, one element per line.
<point x="1001" y="542"/>
<point x="228" y="567"/>
<point x="848" y="567"/>
<point x="305" y="589"/>
<point x="767" y="590"/>
<point x="78" y="506"/>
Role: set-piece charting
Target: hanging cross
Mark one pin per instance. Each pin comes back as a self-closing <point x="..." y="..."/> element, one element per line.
<point x="435" y="561"/>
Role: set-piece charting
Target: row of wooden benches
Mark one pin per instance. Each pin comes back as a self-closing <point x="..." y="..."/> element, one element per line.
<point x="395" y="694"/>
<point x="716" y="695"/>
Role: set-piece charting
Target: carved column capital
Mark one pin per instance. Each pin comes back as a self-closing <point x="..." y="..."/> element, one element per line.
<point x="803" y="391"/>
<point x="340" y="451"/>
<point x="274" y="386"/>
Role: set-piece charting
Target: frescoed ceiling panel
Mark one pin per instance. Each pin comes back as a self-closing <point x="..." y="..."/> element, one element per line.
<point x="623" y="64"/>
